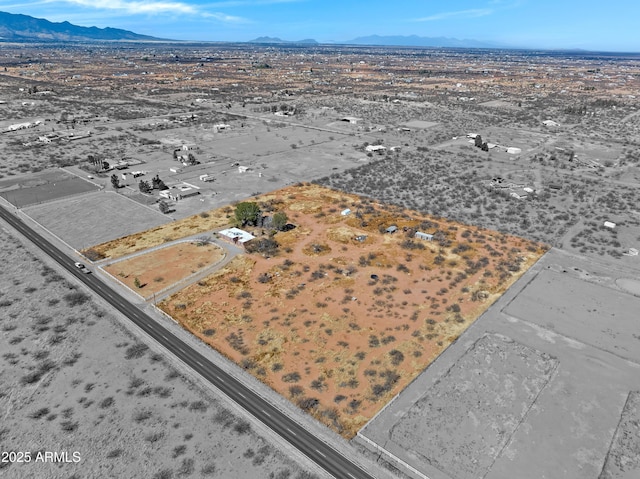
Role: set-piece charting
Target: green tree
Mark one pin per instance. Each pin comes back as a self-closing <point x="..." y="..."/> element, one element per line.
<point x="247" y="213"/>
<point x="115" y="181"/>
<point x="164" y="206"/>
<point x="478" y="141"/>
<point x="279" y="220"/>
<point x="136" y="283"/>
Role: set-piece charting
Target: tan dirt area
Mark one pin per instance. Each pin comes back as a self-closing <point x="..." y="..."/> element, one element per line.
<point x="338" y="325"/>
<point x="164" y="267"/>
<point x="73" y="380"/>
<point x="544" y="384"/>
<point x="191" y="225"/>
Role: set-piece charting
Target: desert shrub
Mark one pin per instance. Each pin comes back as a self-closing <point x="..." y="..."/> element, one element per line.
<point x="154" y="437"/>
<point x="265" y="246"/>
<point x="291" y="377"/>
<point x="242" y="427"/>
<point x="237" y="343"/>
<point x="106" y="403"/>
<point x="114" y="453"/>
<point x="39" y="413"/>
<point x="93" y="255"/>
<point x="396" y="357"/>
<point x="339" y="398"/>
<point x="136" y="351"/>
<point x="186" y="467"/>
<point x="141" y="416"/>
<point x="199" y="406"/>
<point x="295" y="390"/>
<point x="307" y="403"/>
<point x="31" y="378"/>
<point x="69" y="426"/>
<point x="76" y="298"/>
<point x="209" y="469"/>
<point x="163" y="474"/>
<point x="209" y="332"/>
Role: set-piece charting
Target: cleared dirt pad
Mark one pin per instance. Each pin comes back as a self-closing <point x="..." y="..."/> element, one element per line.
<point x="463" y="422"/>
<point x="602" y="317"/>
<point x="94" y="218"/>
<point x="164" y="267"/>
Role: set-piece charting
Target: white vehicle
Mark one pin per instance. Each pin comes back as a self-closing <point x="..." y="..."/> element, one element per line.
<point x="82" y="268"/>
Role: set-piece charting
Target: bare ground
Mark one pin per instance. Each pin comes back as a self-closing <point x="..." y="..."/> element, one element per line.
<point x="73" y="380"/>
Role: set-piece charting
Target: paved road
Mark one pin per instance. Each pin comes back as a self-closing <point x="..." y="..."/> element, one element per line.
<point x="318" y="451"/>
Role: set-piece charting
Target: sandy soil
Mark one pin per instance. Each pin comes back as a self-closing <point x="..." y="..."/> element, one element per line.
<point x="553" y="394"/>
<point x="165" y="267"/>
<point x="338" y="325"/>
<point x="73" y="380"/>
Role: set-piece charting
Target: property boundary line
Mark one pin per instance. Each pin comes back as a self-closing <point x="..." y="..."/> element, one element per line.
<point x="391" y="456"/>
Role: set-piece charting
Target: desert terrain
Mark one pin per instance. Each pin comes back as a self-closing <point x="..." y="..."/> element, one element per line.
<point x="503" y="154"/>
<point x="295" y="318"/>
<point x="75" y="380"/>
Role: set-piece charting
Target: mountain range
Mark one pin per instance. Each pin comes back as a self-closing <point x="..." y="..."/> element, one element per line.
<point x="16" y="27"/>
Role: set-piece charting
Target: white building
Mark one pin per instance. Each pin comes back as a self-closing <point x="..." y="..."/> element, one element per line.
<point x="235" y="236"/>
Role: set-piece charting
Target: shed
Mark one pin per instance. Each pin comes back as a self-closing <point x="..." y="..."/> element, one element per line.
<point x="350" y="119"/>
<point x="345" y="212"/>
<point x="512" y="150"/>
<point x="236" y="236"/>
<point x="424" y="236"/>
<point x="376" y="148"/>
<point x="609" y="224"/>
<point x="392" y="229"/>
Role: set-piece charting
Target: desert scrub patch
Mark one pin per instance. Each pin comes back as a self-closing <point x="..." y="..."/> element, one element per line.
<point x="136" y="351"/>
<point x="293" y="377"/>
<point x="76" y="298"/>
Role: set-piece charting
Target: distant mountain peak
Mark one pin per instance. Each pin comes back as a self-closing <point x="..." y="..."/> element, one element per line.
<point x="308" y="41"/>
<point x="17" y="27"/>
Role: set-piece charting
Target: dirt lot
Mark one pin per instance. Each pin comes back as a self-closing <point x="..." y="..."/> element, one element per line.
<point x="95" y="218"/>
<point x="164" y="267"/>
<point x="73" y="380"/>
<point x="297" y="321"/>
<point x="553" y="394"/>
<point x="45" y="189"/>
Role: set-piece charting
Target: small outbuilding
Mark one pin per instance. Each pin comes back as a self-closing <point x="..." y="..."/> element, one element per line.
<point x="391" y="229"/>
<point x="235" y="236"/>
<point x="512" y="150"/>
<point x="609" y="224"/>
<point x="375" y="148"/>
<point x="424" y="236"/>
<point x="345" y="212"/>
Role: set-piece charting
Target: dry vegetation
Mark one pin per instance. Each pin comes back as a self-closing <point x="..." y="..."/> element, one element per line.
<point x="338" y="325"/>
<point x="157" y="270"/>
<point x="73" y="379"/>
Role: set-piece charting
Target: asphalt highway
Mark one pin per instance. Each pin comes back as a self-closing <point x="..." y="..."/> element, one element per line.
<point x="322" y="454"/>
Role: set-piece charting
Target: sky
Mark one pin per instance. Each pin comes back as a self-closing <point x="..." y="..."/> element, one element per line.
<point x="546" y="24"/>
